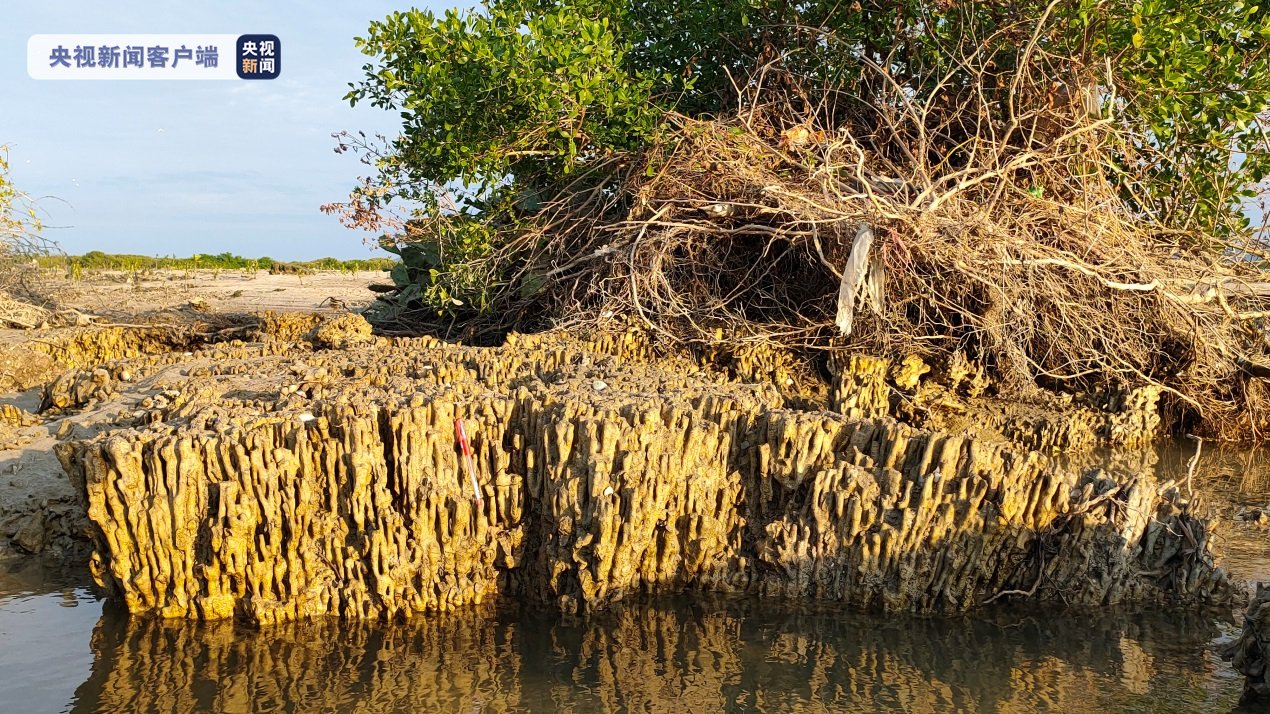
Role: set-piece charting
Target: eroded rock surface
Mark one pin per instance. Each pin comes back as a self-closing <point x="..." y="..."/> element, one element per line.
<point x="272" y="487"/>
<point x="953" y="397"/>
<point x="110" y="384"/>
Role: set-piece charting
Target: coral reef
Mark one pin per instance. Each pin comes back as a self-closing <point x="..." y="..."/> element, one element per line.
<point x="271" y="487"/>
<point x="955" y="396"/>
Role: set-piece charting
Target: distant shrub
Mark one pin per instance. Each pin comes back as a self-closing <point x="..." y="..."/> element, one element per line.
<point x="98" y="260"/>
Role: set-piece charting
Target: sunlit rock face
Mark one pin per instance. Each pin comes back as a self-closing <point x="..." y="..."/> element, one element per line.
<point x="272" y="485"/>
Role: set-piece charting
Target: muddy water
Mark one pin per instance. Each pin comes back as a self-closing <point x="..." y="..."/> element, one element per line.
<point x="62" y="649"/>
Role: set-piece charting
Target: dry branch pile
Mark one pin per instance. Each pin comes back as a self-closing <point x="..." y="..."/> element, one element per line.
<point x="998" y="233"/>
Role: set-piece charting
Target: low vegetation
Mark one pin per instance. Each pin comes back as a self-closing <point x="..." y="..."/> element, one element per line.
<point x="97" y="260"/>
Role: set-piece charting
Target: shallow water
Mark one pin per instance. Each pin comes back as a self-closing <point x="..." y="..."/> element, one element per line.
<point x="64" y="650"/>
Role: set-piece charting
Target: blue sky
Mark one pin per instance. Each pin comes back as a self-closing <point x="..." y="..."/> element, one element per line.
<point x="183" y="167"/>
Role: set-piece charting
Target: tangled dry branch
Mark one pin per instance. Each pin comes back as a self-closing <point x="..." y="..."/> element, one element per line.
<point x="1005" y="233"/>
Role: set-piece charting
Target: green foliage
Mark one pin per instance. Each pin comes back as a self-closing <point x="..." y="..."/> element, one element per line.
<point x="514" y="89"/>
<point x="1194" y="78"/>
<point x="521" y="97"/>
<point x="439" y="272"/>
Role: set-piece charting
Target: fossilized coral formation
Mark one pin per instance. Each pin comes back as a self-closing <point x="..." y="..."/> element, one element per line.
<point x="274" y="488"/>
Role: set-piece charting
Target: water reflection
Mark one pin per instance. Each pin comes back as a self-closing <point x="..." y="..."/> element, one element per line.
<point x="668" y="655"/>
<point x="46" y="613"/>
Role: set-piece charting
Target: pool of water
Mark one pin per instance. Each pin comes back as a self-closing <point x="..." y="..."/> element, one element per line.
<point x="63" y="649"/>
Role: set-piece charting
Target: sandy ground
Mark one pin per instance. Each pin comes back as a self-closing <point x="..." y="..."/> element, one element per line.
<point x="117" y="294"/>
<point x="38" y="508"/>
